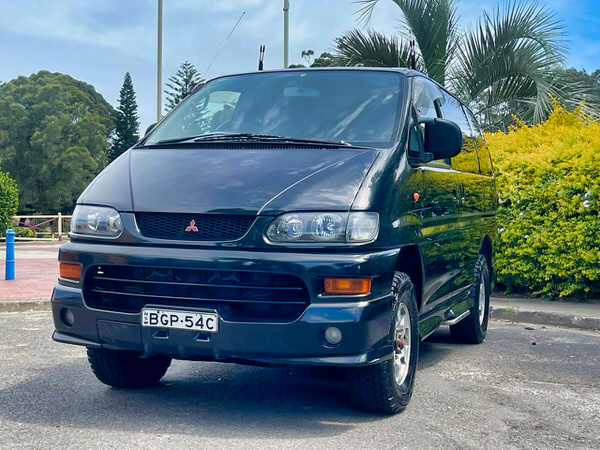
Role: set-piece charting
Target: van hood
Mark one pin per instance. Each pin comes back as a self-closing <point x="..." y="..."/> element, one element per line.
<point x="231" y="181"/>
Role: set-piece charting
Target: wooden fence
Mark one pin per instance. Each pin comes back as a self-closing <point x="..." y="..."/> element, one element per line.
<point x="41" y="228"/>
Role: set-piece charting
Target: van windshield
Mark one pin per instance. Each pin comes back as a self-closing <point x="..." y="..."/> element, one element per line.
<point x="357" y="107"/>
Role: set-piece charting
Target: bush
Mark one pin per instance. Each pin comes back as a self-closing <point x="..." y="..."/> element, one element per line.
<point x="9" y="199"/>
<point x="23" y="232"/>
<point x="549" y="184"/>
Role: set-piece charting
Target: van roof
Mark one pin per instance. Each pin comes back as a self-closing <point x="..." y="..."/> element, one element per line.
<point x="402" y="70"/>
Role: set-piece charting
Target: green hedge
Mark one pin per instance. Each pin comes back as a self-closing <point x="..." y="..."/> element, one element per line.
<point x="9" y="200"/>
<point x="549" y="227"/>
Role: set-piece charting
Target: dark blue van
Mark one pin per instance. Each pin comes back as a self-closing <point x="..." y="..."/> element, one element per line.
<point x="321" y="217"/>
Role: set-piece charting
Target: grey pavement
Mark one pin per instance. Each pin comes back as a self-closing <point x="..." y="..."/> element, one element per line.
<point x="504" y="393"/>
<point x="37" y="271"/>
<point x="584" y="315"/>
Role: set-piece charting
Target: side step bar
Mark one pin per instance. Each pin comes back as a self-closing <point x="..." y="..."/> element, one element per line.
<point x="455" y="320"/>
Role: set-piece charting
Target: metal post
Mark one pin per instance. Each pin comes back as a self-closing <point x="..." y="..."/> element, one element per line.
<point x="286" y="33"/>
<point x="159" y="63"/>
<point x="9" y="273"/>
<point x="59" y="226"/>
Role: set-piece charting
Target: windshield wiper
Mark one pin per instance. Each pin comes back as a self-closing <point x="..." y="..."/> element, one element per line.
<point x="219" y="136"/>
<point x="269" y="138"/>
<point x="234" y="136"/>
<point x="216" y="136"/>
<point x="186" y="138"/>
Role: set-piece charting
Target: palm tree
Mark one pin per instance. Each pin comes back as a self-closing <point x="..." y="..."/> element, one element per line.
<point x="503" y="63"/>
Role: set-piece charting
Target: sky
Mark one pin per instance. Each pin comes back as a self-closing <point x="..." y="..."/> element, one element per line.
<point x="97" y="41"/>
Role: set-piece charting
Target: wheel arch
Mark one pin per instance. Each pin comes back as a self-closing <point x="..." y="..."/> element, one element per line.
<point x="411" y="263"/>
<point x="486" y="249"/>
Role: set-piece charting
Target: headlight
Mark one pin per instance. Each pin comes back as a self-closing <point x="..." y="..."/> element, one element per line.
<point x="96" y="221"/>
<point x="314" y="227"/>
<point x="362" y="227"/>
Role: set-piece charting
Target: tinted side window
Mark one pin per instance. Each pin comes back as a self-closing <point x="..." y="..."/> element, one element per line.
<point x="466" y="160"/>
<point x="485" y="161"/>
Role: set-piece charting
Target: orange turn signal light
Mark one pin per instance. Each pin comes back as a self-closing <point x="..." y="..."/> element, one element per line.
<point x="70" y="271"/>
<point x="345" y="286"/>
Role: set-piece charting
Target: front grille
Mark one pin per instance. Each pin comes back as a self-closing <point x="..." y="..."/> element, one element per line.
<point x="236" y="295"/>
<point x="190" y="227"/>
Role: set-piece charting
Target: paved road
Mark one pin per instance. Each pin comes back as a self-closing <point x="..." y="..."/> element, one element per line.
<point x="36" y="271"/>
<point x="506" y="393"/>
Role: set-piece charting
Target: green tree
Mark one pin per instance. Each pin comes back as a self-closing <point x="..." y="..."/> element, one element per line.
<point x="307" y="55"/>
<point x="182" y="84"/>
<point x="127" y="124"/>
<point x="54" y="138"/>
<point x="9" y="200"/>
<point x="504" y="62"/>
<point x="325" y="59"/>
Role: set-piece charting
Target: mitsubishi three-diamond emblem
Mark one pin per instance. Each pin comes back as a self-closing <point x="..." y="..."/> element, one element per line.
<point x="192" y="226"/>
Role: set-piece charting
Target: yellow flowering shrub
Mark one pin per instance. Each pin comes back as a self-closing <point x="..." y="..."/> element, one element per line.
<point x="548" y="179"/>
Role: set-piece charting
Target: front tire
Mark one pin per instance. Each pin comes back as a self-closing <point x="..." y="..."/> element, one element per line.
<point x="473" y="328"/>
<point x="125" y="369"/>
<point x="387" y="387"/>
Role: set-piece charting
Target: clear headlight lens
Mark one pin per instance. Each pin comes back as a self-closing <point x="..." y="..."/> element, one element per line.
<point x="362" y="227"/>
<point x="96" y="221"/>
<point x="313" y="227"/>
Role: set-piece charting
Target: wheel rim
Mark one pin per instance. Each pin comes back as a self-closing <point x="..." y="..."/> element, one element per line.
<point x="402" y="335"/>
<point x="481" y="301"/>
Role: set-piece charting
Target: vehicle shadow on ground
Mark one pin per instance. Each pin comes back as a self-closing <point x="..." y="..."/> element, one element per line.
<point x="213" y="399"/>
<point x="436" y="348"/>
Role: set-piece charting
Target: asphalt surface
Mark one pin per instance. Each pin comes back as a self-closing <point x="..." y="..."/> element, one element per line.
<point x="505" y="393"/>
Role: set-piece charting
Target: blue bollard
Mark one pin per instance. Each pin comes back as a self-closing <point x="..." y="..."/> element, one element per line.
<point x="9" y="273"/>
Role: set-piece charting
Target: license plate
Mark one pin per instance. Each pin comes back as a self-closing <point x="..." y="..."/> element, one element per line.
<point x="182" y="320"/>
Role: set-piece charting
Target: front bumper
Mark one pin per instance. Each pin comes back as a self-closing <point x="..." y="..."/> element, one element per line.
<point x="364" y="321"/>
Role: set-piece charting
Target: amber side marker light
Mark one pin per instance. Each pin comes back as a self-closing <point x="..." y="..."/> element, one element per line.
<point x="352" y="286"/>
<point x="70" y="271"/>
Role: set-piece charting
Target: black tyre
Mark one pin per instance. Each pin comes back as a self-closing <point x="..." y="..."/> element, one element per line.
<point x="473" y="328"/>
<point x="387" y="387"/>
<point x="125" y="369"/>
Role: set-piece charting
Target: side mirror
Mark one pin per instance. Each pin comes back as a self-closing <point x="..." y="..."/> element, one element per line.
<point x="150" y="128"/>
<point x="443" y="138"/>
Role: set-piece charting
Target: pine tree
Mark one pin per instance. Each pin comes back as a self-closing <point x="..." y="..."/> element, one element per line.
<point x="182" y="84"/>
<point x="127" y="125"/>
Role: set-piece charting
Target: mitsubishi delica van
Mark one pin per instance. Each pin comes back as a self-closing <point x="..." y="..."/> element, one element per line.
<point x="332" y="217"/>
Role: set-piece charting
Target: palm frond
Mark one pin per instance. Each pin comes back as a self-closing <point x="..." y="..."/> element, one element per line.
<point x="365" y="12"/>
<point x="508" y="57"/>
<point x="577" y="92"/>
<point x="372" y="49"/>
<point x="434" y="25"/>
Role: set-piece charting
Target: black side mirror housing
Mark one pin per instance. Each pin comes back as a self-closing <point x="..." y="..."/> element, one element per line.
<point x="150" y="128"/>
<point x="443" y="138"/>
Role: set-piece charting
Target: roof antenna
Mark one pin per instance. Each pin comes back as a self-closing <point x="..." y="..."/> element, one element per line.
<point x="261" y="57"/>
<point x="413" y="58"/>
<point x="224" y="42"/>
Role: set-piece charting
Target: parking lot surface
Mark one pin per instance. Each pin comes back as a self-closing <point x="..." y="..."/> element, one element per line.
<point x="505" y="393"/>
